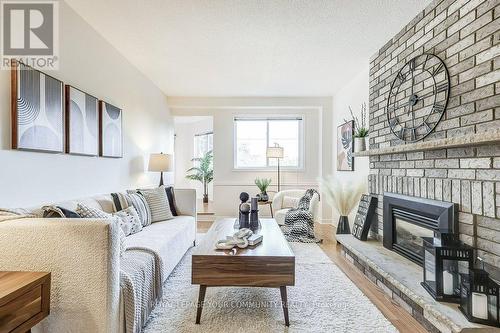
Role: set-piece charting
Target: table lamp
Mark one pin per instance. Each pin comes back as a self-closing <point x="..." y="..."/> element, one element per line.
<point x="160" y="163"/>
<point x="277" y="153"/>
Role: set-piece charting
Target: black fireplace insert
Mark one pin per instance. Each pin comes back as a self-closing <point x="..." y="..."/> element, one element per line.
<point x="408" y="219"/>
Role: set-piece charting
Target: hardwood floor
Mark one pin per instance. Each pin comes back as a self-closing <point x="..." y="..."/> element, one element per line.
<point x="401" y="319"/>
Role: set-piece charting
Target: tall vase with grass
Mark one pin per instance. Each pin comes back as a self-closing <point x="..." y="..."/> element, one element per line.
<point x="343" y="197"/>
<point x="263" y="184"/>
<point x="360" y="130"/>
<point x="203" y="172"/>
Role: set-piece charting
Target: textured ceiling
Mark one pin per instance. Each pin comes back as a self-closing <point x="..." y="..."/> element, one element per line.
<point x="248" y="47"/>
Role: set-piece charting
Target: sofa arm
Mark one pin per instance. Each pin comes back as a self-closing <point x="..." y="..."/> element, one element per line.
<point x="83" y="257"/>
<point x="185" y="201"/>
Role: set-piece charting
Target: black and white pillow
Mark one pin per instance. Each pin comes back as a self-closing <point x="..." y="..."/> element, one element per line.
<point x="133" y="199"/>
<point x="129" y="220"/>
<point x="58" y="212"/>
<point x="158" y="203"/>
<point x="87" y="212"/>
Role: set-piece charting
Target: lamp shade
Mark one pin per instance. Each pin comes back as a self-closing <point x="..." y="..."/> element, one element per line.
<point x="160" y="162"/>
<point x="274" y="152"/>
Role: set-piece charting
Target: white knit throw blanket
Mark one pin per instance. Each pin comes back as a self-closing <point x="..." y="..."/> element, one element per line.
<point x="141" y="282"/>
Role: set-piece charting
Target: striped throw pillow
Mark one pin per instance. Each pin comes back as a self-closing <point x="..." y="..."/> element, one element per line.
<point x="158" y="203"/>
<point x="133" y="199"/>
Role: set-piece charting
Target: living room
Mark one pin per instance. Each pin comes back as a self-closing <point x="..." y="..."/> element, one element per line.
<point x="250" y="166"/>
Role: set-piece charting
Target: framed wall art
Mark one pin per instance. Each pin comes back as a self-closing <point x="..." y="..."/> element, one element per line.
<point x="82" y="123"/>
<point x="110" y="129"/>
<point x="345" y="149"/>
<point x="37" y="110"/>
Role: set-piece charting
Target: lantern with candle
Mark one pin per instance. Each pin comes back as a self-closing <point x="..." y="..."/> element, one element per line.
<point x="445" y="259"/>
<point x="479" y="298"/>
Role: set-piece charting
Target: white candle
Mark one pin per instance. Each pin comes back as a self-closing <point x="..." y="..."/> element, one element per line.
<point x="479" y="306"/>
<point x="447" y="283"/>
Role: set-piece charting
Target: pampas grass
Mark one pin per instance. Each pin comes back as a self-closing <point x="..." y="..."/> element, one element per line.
<point x="342" y="196"/>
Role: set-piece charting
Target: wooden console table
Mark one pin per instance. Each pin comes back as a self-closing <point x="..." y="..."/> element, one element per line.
<point x="24" y="300"/>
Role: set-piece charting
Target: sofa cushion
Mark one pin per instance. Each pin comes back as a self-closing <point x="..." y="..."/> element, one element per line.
<point x="280" y="215"/>
<point x="88" y="212"/>
<point x="169" y="239"/>
<point x="171" y="199"/>
<point x="158" y="203"/>
<point x="59" y="212"/>
<point x="290" y="202"/>
<point x="125" y="200"/>
<point x="129" y="220"/>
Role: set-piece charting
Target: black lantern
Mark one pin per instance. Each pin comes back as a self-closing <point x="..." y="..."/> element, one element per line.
<point x="445" y="258"/>
<point x="479" y="298"/>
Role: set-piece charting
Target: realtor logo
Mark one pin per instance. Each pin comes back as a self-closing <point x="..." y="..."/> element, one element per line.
<point x="30" y="33"/>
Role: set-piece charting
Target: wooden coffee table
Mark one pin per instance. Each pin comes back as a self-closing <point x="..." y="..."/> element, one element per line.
<point x="269" y="264"/>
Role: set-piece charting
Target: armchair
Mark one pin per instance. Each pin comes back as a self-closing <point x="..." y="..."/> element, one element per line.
<point x="280" y="210"/>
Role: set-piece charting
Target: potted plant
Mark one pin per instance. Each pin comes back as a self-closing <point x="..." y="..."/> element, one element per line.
<point x="263" y="184"/>
<point x="203" y="173"/>
<point x="360" y="130"/>
<point x="343" y="198"/>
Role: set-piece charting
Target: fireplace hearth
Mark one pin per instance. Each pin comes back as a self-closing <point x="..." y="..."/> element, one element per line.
<point x="408" y="219"/>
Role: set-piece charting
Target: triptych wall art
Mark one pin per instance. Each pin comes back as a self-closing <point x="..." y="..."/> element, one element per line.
<point x="345" y="146"/>
<point x="48" y="117"/>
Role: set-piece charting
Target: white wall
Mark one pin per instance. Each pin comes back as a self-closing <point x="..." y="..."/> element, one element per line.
<point x="228" y="183"/>
<point x="90" y="63"/>
<point x="184" y="152"/>
<point x="353" y="94"/>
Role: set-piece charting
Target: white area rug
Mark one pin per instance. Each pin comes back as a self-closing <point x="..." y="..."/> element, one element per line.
<point x="322" y="300"/>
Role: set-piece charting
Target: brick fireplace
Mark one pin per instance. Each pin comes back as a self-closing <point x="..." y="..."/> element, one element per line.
<point x="464" y="34"/>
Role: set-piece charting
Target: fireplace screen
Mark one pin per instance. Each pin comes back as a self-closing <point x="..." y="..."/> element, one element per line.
<point x="409" y="237"/>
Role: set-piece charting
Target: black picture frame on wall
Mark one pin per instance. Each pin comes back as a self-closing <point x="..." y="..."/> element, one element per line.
<point x="345" y="146"/>
<point x="37" y="110"/>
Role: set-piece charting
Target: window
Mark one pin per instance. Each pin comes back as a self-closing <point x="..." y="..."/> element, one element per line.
<point x="253" y="135"/>
<point x="203" y="143"/>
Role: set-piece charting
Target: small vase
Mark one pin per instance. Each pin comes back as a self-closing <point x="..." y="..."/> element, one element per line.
<point x="359" y="144"/>
<point x="264" y="196"/>
<point x="205" y="198"/>
<point x="343" y="226"/>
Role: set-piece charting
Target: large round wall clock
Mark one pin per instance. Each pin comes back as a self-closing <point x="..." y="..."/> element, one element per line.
<point x="418" y="98"/>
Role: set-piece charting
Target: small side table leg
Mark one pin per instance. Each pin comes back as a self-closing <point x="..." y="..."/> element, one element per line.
<point x="201" y="299"/>
<point x="284" y="304"/>
<point x="271" y="208"/>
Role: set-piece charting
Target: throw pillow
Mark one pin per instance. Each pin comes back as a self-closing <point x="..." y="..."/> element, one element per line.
<point x="129" y="221"/>
<point x="87" y="212"/>
<point x="58" y="212"/>
<point x="290" y="202"/>
<point x="171" y="200"/>
<point x="158" y="203"/>
<point x="136" y="200"/>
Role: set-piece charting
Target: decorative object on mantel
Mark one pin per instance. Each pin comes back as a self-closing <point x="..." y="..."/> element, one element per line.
<point x="276" y="152"/>
<point x="480" y="298"/>
<point x="364" y="217"/>
<point x="110" y="128"/>
<point x="37" y="110"/>
<point x="202" y="172"/>
<point x="360" y="129"/>
<point x="82" y="123"/>
<point x="262" y="184"/>
<point x="345" y="158"/>
<point x="426" y="81"/>
<point x="445" y="259"/>
<point x="241" y="239"/>
<point x="160" y="163"/>
<point x="343" y="198"/>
